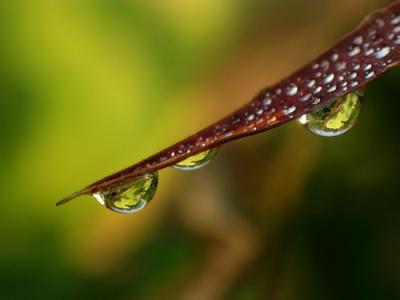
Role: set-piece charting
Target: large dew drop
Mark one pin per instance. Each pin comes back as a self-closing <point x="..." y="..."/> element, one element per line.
<point x="131" y="196"/>
<point x="196" y="161"/>
<point x="336" y="118"/>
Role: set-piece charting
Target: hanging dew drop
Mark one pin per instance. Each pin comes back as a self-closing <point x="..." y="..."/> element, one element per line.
<point x="196" y="161"/>
<point x="335" y="119"/>
<point x="131" y="196"/>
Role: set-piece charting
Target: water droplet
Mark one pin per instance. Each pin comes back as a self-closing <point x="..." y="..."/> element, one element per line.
<point x="354" y="51"/>
<point x="395" y="19"/>
<point x="380" y="22"/>
<point x="336" y="118"/>
<point x="131" y="196"/>
<point x="250" y="117"/>
<point x="358" y="40"/>
<point x="196" y="161"/>
<point x="369" y="51"/>
<point x="317" y="90"/>
<point x="353" y="76"/>
<point x="329" y="78"/>
<point x="292" y="90"/>
<point x="316" y="101"/>
<point x="289" y="110"/>
<point x="341" y="66"/>
<point x="306" y="97"/>
<point x="367" y="67"/>
<point x="369" y="75"/>
<point x="382" y="52"/>
<point x="303" y="120"/>
<point x="267" y="101"/>
<point x="325" y="66"/>
<point x="311" y="83"/>
<point x="354" y="84"/>
<point x="332" y="89"/>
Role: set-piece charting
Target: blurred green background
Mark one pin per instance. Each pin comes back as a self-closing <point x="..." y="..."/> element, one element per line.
<point x="90" y="87"/>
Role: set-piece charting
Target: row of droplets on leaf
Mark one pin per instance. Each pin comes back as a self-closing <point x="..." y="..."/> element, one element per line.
<point x="332" y="120"/>
<point x="136" y="194"/>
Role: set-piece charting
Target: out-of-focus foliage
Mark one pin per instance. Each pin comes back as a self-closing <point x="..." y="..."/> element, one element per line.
<point x="90" y="87"/>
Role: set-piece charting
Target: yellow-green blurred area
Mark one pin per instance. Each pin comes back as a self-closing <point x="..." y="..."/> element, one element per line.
<point x="90" y="87"/>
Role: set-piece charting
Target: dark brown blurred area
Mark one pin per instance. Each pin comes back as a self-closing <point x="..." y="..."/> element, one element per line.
<point x="90" y="87"/>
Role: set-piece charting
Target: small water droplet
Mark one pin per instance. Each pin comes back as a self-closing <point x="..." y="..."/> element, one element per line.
<point x="369" y="51"/>
<point x="292" y="89"/>
<point x="259" y="111"/>
<point x="380" y="22"/>
<point x="382" y="52"/>
<point x="289" y="110"/>
<point x="131" y="196"/>
<point x="358" y="40"/>
<point x="306" y="97"/>
<point x="369" y="75"/>
<point x="325" y="66"/>
<point x="329" y="78"/>
<point x="354" y="51"/>
<point x="354" y="83"/>
<point x="250" y="117"/>
<point x="341" y="66"/>
<point x="332" y="89"/>
<point x="353" y="76"/>
<point x="317" y="90"/>
<point x="267" y="101"/>
<point x="311" y="83"/>
<point x="316" y="101"/>
<point x="395" y="19"/>
<point x="336" y="118"/>
<point x="367" y="67"/>
<point x="196" y="161"/>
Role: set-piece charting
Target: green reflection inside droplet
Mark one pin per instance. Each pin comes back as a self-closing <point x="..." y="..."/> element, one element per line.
<point x="130" y="197"/>
<point x="336" y="118"/>
<point x="196" y="161"/>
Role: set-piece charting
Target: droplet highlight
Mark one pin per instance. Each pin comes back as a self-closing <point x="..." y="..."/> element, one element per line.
<point x="382" y="52"/>
<point x="292" y="90"/>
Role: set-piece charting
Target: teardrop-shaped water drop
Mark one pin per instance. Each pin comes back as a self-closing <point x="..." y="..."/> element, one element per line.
<point x="196" y="161"/>
<point x="336" y="118"/>
<point x="131" y="196"/>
